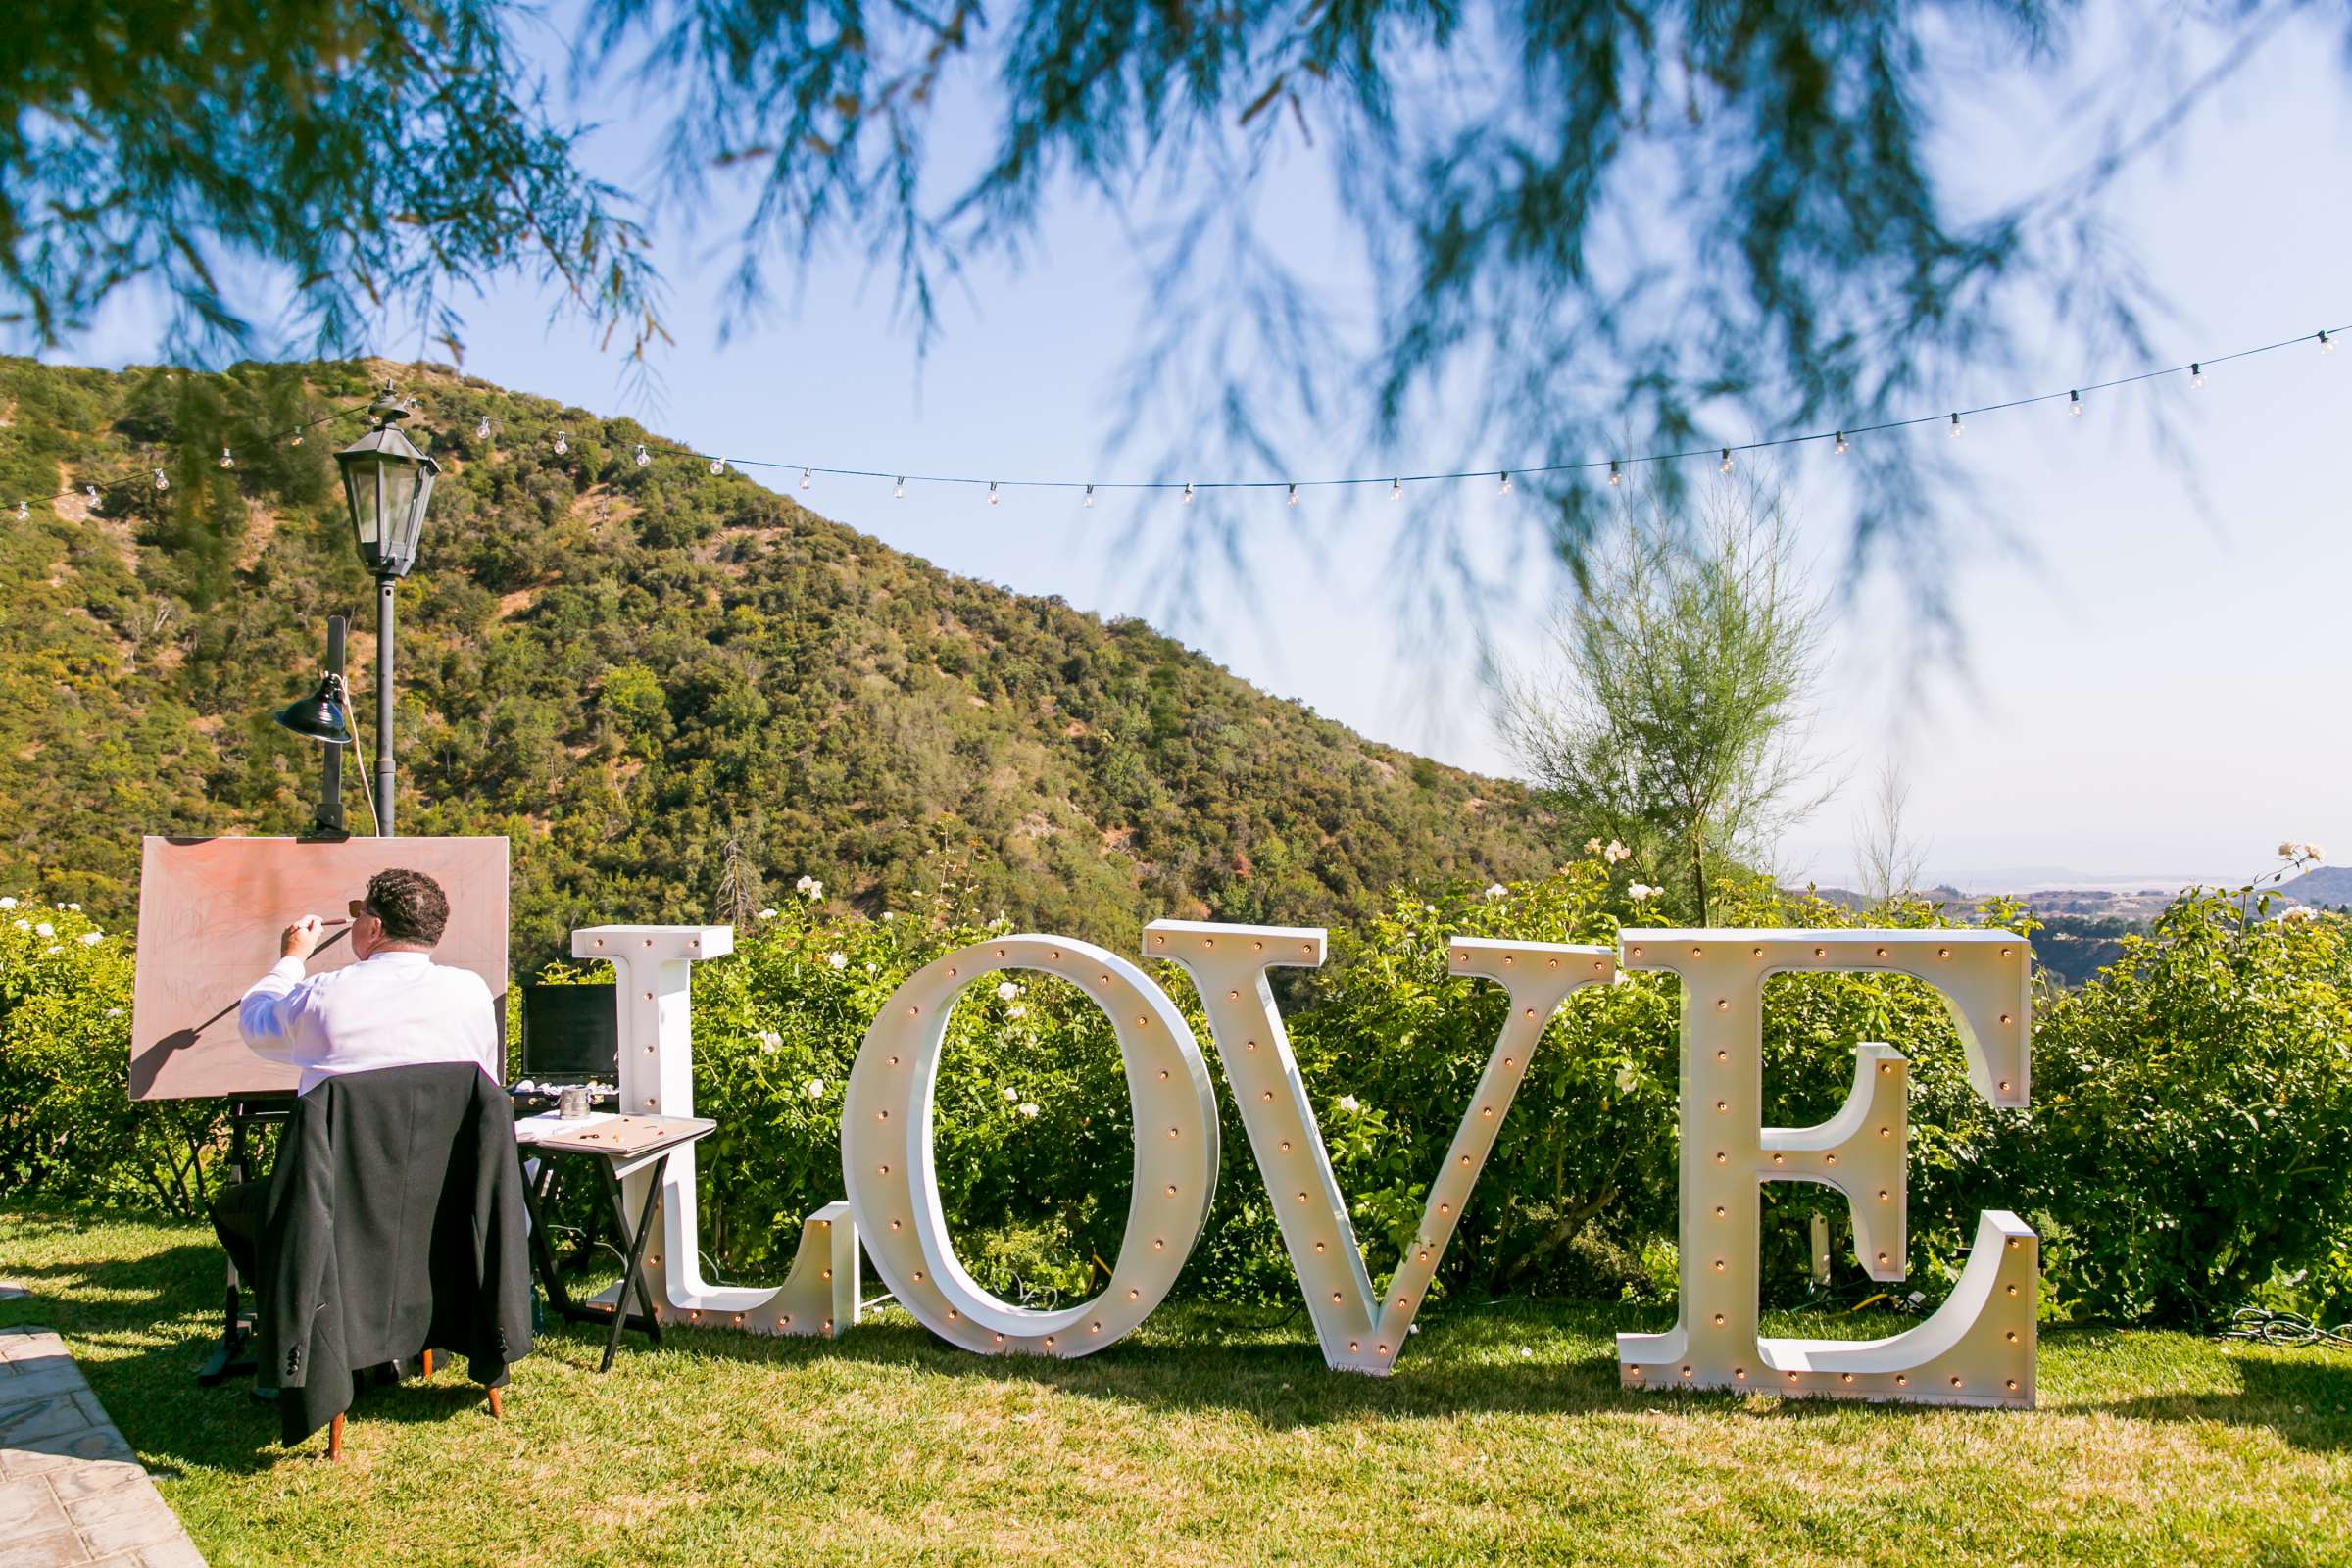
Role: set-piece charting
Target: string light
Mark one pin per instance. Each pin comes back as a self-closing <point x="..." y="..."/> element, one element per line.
<point x="23" y="512"/>
<point x="805" y="481"/>
<point x="297" y="441"/>
<point x="718" y="465"/>
<point x="1614" y="476"/>
<point x="2074" y="404"/>
<point x="993" y="498"/>
<point x="1841" y="443"/>
<point x="226" y="462"/>
<point x="1089" y="495"/>
<point x="1289" y="500"/>
<point x="2196" y="374"/>
<point x="1504" y="489"/>
<point x="1955" y="424"/>
<point x="643" y="457"/>
<point x="481" y="429"/>
<point x="898" y="492"/>
<point x="161" y="483"/>
<point x="1188" y="491"/>
<point x="91" y="491"/>
<point x="1727" y="460"/>
<point x="2326" y="343"/>
<point x="563" y="445"/>
<point x="1396" y="489"/>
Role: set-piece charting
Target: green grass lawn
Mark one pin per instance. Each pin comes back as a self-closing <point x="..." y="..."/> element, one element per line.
<point x="1211" y="1437"/>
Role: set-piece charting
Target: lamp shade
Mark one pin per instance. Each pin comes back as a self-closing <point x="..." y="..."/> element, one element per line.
<point x="388" y="484"/>
<point x="319" y="716"/>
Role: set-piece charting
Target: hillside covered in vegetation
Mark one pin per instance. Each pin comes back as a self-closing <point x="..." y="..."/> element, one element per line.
<point x="678" y="692"/>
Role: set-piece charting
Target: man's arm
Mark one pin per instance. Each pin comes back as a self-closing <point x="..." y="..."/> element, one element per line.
<point x="267" y="1014"/>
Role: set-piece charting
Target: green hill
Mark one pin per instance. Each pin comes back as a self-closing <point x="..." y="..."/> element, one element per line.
<point x="678" y="692"/>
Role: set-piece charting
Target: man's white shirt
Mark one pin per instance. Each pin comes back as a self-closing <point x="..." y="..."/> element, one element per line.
<point x="390" y="1010"/>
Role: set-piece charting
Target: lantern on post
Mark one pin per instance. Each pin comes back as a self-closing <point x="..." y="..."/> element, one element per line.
<point x="388" y="484"/>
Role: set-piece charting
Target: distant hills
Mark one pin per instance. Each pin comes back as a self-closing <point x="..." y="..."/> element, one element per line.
<point x="678" y="692"/>
<point x="2329" y="886"/>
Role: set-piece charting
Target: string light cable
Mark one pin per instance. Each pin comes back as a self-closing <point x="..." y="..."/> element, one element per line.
<point x="2265" y="1327"/>
<point x="1839" y="439"/>
<point x="155" y="478"/>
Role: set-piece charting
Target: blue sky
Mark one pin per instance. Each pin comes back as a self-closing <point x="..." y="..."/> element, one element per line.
<point x="2155" y="687"/>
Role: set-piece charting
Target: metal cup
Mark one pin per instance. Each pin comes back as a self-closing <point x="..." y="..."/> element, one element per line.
<point x="572" y="1102"/>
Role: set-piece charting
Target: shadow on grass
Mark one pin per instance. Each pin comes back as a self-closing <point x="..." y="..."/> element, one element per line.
<point x="142" y="1324"/>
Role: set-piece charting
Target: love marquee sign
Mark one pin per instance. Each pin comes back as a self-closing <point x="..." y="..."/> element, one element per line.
<point x="1978" y="1348"/>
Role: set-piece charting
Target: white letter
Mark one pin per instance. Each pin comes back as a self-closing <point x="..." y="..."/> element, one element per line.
<point x="657" y="1079"/>
<point x="1359" y="1331"/>
<point x="1978" y="1347"/>
<point x="893" y="1190"/>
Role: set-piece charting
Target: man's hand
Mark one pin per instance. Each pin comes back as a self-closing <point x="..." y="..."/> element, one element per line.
<point x="300" y="938"/>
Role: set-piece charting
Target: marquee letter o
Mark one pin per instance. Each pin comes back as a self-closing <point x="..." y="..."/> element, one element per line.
<point x="894" y="1189"/>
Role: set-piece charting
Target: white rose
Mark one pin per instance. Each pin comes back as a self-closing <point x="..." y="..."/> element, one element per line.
<point x="1029" y="1109"/>
<point x="1642" y="890"/>
<point x="816" y="890"/>
<point x="8" y="903"/>
<point x="839" y="961"/>
<point x="1593" y="846"/>
<point x="44" y="929"/>
<point x="1007" y="991"/>
<point x="2314" y="851"/>
<point x="1016" y="1010"/>
<point x="53" y="948"/>
<point x="90" y="939"/>
<point x="1011" y="1093"/>
<point x="816" y="1089"/>
<point x="2287" y="851"/>
<point x="2300" y="914"/>
<point x="113" y="1012"/>
<point x="24" y="925"/>
<point x="1347" y="1103"/>
<point x="804" y="884"/>
<point x="1497" y="890"/>
<point x="887" y="916"/>
<point x="770" y="1041"/>
<point x="765" y="914"/>
<point x="1626" y="1080"/>
<point x="76" y="907"/>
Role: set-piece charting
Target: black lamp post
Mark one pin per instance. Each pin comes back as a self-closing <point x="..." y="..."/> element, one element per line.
<point x="388" y="483"/>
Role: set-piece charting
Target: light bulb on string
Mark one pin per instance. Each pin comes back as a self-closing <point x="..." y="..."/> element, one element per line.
<point x="1291" y="499"/>
<point x="1840" y="447"/>
<point x="481" y="428"/>
<point x="993" y="498"/>
<point x="23" y="512"/>
<point x="1188" y="491"/>
<point x="1396" y="489"/>
<point x="297" y="441"/>
<point x="1727" y="460"/>
<point x="91" y="491"/>
<point x="2196" y="374"/>
<point x="1955" y="425"/>
<point x="1615" y="477"/>
<point x="562" y="444"/>
<point x="718" y="465"/>
<point x="160" y="482"/>
<point x="805" y="481"/>
<point x="2326" y="343"/>
<point x="1089" y="495"/>
<point x="643" y="457"/>
<point x="226" y="462"/>
<point x="898" y="492"/>
<point x="1504" y="489"/>
<point x="2074" y="404"/>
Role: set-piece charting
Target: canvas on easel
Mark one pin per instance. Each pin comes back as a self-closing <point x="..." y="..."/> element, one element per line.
<point x="211" y="911"/>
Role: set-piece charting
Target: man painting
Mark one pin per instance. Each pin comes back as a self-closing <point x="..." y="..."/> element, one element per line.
<point x="393" y="1008"/>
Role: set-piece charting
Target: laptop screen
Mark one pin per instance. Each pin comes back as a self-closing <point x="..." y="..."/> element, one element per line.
<point x="570" y="1032"/>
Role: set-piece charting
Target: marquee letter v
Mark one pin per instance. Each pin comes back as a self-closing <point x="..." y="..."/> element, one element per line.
<point x="1360" y="1330"/>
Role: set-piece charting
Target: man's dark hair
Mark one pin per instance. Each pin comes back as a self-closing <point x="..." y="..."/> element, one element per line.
<point x="409" y="903"/>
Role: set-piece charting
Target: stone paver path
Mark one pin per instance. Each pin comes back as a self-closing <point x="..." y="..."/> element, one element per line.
<point x="71" y="1489"/>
